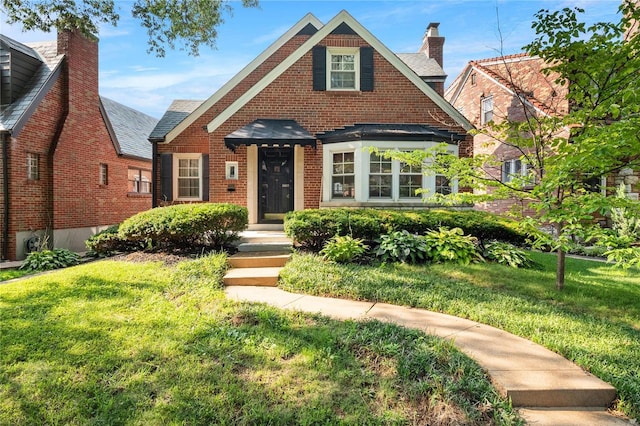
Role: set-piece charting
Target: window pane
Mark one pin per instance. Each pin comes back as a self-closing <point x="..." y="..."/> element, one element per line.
<point x="342" y="187"/>
<point x="342" y="181"/>
<point x="443" y="185"/>
<point x="409" y="184"/>
<point x="188" y="188"/>
<point x="380" y="186"/>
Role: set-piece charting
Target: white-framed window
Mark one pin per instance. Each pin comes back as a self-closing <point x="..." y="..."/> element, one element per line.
<point x="343" y="175"/>
<point x="343" y="68"/>
<point x="33" y="166"/>
<point x="487" y="109"/>
<point x="410" y="180"/>
<point x="513" y="168"/>
<point x="380" y="176"/>
<point x="187" y="170"/>
<point x="371" y="178"/>
<point x="139" y="181"/>
<point x="103" y="175"/>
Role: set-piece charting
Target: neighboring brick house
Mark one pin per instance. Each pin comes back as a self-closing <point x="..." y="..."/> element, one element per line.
<point x="72" y="161"/>
<point x="291" y="130"/>
<point x="499" y="89"/>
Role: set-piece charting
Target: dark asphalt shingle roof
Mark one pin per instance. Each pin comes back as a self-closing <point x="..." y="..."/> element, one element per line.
<point x="131" y="128"/>
<point x="13" y="117"/>
<point x="389" y="131"/>
<point x="270" y="131"/>
<point x="177" y="111"/>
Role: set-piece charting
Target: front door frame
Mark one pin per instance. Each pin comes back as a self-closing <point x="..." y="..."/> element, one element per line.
<point x="275" y="189"/>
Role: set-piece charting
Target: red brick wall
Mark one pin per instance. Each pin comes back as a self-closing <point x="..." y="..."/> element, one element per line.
<point x="68" y="194"/>
<point x="79" y="199"/>
<point x="394" y="100"/>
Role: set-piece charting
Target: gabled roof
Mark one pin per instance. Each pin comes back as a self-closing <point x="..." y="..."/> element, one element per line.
<point x="309" y="24"/>
<point x="15" y="116"/>
<point x="128" y="129"/>
<point x="167" y="130"/>
<point x="342" y="18"/>
<point x="178" y="111"/>
<point x="519" y="74"/>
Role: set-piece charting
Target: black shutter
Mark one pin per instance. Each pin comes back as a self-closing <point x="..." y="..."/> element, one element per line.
<point x="366" y="69"/>
<point x="166" y="177"/>
<point x="205" y="177"/>
<point x="319" y="67"/>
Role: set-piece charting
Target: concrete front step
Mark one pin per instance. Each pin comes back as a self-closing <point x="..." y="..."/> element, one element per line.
<point x="262" y="277"/>
<point x="259" y="259"/>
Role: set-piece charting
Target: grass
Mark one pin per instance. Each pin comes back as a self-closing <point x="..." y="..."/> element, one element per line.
<point x="9" y="274"/>
<point x="124" y="343"/>
<point x="594" y="322"/>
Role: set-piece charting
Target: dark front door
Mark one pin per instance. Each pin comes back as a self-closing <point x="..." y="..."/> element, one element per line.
<point x="275" y="177"/>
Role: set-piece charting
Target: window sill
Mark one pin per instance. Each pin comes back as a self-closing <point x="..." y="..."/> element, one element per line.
<point x="138" y="195"/>
<point x="336" y="92"/>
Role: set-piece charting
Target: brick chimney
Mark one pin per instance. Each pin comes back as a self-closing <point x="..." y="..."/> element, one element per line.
<point x="432" y="43"/>
<point x="82" y="66"/>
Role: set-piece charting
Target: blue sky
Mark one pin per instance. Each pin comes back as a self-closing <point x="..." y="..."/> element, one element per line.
<point x="473" y="29"/>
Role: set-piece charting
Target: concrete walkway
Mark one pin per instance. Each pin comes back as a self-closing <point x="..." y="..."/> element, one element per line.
<point x="549" y="389"/>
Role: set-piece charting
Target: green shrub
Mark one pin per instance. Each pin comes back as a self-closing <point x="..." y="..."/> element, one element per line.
<point x="507" y="254"/>
<point x="46" y="260"/>
<point x="107" y="242"/>
<point x="343" y="249"/>
<point x="451" y="245"/>
<point x="402" y="246"/>
<point x="311" y="229"/>
<point x="186" y="225"/>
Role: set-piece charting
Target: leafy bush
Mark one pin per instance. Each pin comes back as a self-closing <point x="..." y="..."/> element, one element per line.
<point x="46" y="260"/>
<point x="343" y="249"/>
<point x="507" y="254"/>
<point x="108" y="241"/>
<point x="451" y="245"/>
<point x="623" y="221"/>
<point x="402" y="246"/>
<point x="311" y="229"/>
<point x="186" y="225"/>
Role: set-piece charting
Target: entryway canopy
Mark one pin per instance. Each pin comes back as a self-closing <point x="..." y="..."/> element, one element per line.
<point x="391" y="132"/>
<point x="270" y="132"/>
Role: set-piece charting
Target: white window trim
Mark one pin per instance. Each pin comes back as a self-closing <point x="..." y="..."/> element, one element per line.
<point x="176" y="161"/>
<point x="33" y="166"/>
<point x="484" y="103"/>
<point x="362" y="169"/>
<point x="507" y="176"/>
<point x="344" y="51"/>
<point x="231" y="170"/>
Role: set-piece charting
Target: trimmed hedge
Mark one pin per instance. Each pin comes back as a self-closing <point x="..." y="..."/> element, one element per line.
<point x="186" y="225"/>
<point x="311" y="229"/>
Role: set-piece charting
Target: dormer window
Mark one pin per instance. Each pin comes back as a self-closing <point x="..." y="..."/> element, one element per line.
<point x="344" y="65"/>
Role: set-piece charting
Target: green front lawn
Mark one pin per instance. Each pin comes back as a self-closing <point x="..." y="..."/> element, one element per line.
<point x="115" y="342"/>
<point x="9" y="274"/>
<point x="594" y="322"/>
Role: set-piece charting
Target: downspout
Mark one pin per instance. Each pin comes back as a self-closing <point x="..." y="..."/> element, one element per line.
<point x="5" y="190"/>
<point x="154" y="171"/>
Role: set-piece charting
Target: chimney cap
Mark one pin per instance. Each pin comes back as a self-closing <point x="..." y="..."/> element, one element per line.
<point x="432" y="29"/>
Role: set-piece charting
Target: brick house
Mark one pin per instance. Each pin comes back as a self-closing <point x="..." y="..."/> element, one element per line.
<point x="291" y="130"/>
<point x="498" y="89"/>
<point x="72" y="162"/>
<point x="501" y="88"/>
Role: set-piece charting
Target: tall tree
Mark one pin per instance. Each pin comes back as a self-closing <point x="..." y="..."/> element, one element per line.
<point x="187" y="24"/>
<point x="597" y="135"/>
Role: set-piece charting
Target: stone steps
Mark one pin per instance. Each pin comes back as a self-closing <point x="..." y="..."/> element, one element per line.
<point x="260" y="257"/>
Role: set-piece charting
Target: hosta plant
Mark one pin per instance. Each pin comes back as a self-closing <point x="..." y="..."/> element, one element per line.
<point x="507" y="254"/>
<point x="402" y="246"/>
<point x="451" y="245"/>
<point x="50" y="259"/>
<point x="343" y="249"/>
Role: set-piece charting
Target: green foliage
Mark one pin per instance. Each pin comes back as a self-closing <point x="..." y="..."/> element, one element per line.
<point x="185" y="226"/>
<point x="108" y="241"/>
<point x="507" y="254"/>
<point x="626" y="257"/>
<point x="451" y="245"/>
<point x="343" y="249"/>
<point x="624" y="221"/>
<point x="193" y="22"/>
<point x="312" y="228"/>
<point x="46" y="260"/>
<point x="402" y="246"/>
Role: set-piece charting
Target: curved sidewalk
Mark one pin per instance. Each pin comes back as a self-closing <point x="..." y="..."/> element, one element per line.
<point x="553" y="390"/>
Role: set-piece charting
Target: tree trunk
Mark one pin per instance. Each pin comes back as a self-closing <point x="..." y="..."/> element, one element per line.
<point x="560" y="270"/>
